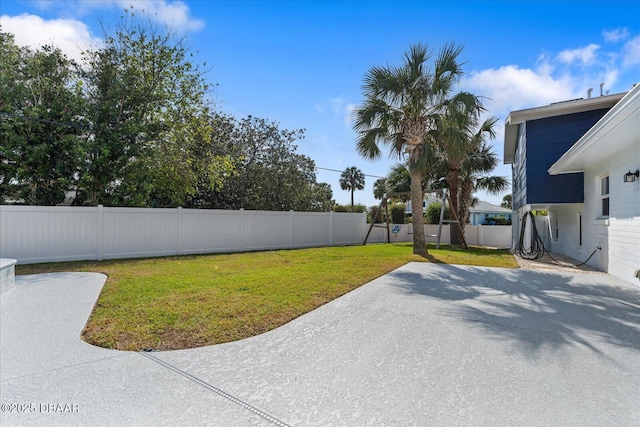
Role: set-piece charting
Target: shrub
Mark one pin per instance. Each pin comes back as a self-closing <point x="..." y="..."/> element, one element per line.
<point x="397" y="214"/>
<point x="433" y="212"/>
<point x="347" y="208"/>
<point x="358" y="208"/>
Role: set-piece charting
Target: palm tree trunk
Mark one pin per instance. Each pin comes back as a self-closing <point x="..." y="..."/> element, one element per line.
<point x="352" y="190"/>
<point x="419" y="243"/>
<point x="466" y="196"/>
<point x="453" y="179"/>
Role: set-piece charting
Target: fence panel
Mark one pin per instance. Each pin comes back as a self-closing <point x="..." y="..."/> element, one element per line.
<point x="266" y="230"/>
<point x="496" y="236"/>
<point x="348" y="228"/>
<point x="312" y="229"/>
<point x="139" y="232"/>
<point x="46" y="234"/>
<point x="206" y="231"/>
<point x="43" y="234"/>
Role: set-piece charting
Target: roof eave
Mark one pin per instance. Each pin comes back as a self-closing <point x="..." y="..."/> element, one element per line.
<point x="570" y="162"/>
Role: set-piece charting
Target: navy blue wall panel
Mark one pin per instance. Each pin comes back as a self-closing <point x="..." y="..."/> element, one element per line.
<point x="547" y="140"/>
<point x="519" y="169"/>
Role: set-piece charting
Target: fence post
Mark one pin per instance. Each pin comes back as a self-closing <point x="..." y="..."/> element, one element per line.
<point x="291" y="219"/>
<point x="331" y="228"/>
<point x="242" y="229"/>
<point x="100" y="233"/>
<point x="179" y="231"/>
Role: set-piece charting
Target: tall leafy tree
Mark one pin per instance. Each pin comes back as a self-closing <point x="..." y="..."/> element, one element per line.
<point x="40" y="123"/>
<point x="352" y="179"/>
<point x="11" y="62"/>
<point x="148" y="114"/>
<point x="401" y="107"/>
<point x="320" y="199"/>
<point x="268" y="173"/>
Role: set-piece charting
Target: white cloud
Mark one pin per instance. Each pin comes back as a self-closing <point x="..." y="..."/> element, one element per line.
<point x="616" y="34"/>
<point x="631" y="52"/>
<point x="69" y="35"/>
<point x="175" y="14"/>
<point x="585" y="55"/>
<point x="512" y="88"/>
<point x="337" y="105"/>
<point x="556" y="77"/>
<point x="348" y="113"/>
<point x="340" y="108"/>
<point x="72" y="36"/>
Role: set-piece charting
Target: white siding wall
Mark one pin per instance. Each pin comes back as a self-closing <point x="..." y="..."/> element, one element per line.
<point x="618" y="235"/>
<point x="566" y="217"/>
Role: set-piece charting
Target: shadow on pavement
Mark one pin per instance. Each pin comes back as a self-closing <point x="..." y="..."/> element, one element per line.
<point x="536" y="309"/>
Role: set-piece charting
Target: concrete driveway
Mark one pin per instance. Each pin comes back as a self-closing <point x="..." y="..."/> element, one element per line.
<point x="425" y="345"/>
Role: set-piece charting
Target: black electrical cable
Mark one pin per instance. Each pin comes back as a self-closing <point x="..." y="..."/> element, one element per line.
<point x="583" y="263"/>
<point x="537" y="248"/>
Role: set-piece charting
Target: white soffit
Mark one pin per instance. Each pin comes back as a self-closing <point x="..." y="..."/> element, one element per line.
<point x="617" y="130"/>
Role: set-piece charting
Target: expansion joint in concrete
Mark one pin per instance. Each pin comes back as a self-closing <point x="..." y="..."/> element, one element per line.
<point x="216" y="390"/>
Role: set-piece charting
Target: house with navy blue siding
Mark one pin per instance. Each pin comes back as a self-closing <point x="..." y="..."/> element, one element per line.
<point x="571" y="159"/>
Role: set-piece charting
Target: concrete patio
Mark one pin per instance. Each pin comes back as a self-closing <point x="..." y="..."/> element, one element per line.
<point x="424" y="345"/>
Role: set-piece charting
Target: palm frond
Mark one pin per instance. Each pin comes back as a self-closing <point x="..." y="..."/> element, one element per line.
<point x="367" y="143"/>
<point x="492" y="184"/>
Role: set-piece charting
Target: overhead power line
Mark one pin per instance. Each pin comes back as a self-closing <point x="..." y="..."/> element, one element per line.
<point x="335" y="170"/>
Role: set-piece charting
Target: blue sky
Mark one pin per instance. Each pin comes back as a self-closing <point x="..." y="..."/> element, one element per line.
<point x="301" y="63"/>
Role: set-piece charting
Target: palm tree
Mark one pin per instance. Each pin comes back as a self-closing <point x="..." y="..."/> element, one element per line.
<point x="400" y="109"/>
<point x="459" y="139"/>
<point x="352" y="179"/>
<point x="473" y="177"/>
<point x="380" y="188"/>
<point x="507" y="201"/>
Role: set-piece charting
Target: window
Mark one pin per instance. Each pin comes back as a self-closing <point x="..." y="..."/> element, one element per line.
<point x="604" y="196"/>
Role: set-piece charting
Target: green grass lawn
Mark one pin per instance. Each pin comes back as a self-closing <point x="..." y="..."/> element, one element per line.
<point x="192" y="301"/>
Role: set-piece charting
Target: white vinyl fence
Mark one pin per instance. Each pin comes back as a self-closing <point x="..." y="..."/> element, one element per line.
<point x="496" y="236"/>
<point x="33" y="234"/>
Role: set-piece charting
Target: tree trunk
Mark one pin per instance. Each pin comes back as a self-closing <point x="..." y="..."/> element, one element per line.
<point x="453" y="179"/>
<point x="419" y="243"/>
<point x="466" y="197"/>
